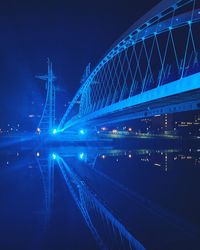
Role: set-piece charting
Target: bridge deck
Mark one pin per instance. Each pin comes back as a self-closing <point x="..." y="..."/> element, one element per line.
<point x="178" y="96"/>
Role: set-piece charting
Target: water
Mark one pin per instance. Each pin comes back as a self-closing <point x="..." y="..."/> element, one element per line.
<point x="73" y="197"/>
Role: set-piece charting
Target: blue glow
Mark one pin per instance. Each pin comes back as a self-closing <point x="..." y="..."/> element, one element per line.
<point x="82" y="132"/>
<point x="55" y="131"/>
<point x="81" y="156"/>
<point x="54" y="156"/>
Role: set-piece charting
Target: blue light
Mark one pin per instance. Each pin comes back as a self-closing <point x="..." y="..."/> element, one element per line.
<point x="54" y="131"/>
<point x="82" y="156"/>
<point x="82" y="132"/>
<point x="54" y="156"/>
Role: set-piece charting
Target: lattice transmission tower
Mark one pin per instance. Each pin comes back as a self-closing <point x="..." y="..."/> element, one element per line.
<point x="47" y="121"/>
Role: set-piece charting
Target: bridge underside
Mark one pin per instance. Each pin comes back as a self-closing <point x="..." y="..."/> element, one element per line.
<point x="172" y="104"/>
<point x="178" y="96"/>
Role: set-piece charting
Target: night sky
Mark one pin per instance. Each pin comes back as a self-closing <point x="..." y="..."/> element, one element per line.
<point x="71" y="33"/>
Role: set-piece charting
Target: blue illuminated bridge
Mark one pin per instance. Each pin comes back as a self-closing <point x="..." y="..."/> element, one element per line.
<point x="154" y="68"/>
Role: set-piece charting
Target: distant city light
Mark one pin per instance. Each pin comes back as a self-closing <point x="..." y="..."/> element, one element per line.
<point x="129" y="129"/>
<point x="114" y="131"/>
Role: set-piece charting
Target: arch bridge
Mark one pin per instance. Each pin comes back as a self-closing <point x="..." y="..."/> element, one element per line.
<point x="154" y="68"/>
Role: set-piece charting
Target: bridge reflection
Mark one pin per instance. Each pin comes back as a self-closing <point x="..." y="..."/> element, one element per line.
<point x="98" y="195"/>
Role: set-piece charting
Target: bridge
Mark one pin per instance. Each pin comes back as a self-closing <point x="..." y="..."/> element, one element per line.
<point x="154" y="68"/>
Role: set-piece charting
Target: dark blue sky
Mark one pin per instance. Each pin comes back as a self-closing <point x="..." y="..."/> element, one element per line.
<point x="71" y="33"/>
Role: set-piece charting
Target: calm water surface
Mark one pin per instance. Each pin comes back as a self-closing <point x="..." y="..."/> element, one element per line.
<point x="99" y="198"/>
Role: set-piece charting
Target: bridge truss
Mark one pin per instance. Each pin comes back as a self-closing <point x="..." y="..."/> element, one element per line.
<point x="153" y="69"/>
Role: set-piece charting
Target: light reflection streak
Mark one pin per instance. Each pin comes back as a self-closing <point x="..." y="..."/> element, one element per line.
<point x="46" y="167"/>
<point x="89" y="203"/>
<point x="94" y="211"/>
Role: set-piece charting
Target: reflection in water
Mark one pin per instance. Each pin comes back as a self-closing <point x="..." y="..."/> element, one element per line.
<point x="94" y="212"/>
<point x="129" y="198"/>
<point x="46" y="167"/>
<point x="107" y="227"/>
